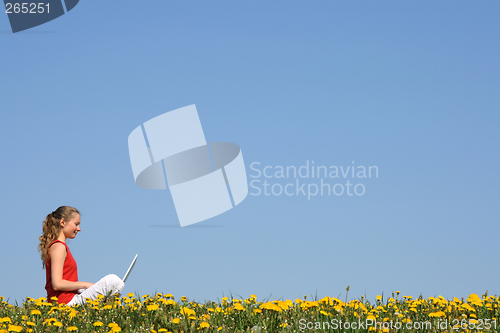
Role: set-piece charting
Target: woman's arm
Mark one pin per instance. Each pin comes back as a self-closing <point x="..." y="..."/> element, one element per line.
<point x="57" y="255"/>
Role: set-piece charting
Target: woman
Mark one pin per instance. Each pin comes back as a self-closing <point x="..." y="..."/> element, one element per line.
<point x="61" y="270"/>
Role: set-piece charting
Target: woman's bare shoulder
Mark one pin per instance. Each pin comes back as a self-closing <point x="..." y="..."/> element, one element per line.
<point x="57" y="247"/>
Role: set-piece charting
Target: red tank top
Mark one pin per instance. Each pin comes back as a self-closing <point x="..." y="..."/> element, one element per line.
<point x="70" y="273"/>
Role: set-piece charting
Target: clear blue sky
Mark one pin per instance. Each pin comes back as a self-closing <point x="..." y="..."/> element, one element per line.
<point x="408" y="86"/>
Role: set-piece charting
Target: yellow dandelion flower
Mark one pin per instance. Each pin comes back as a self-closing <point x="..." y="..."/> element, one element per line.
<point x="30" y="323"/>
<point x="130" y="295"/>
<point x="162" y="330"/>
<point x="271" y="306"/>
<point x="36" y="312"/>
<point x="239" y="307"/>
<point x="184" y="298"/>
<point x="58" y="324"/>
<point x="192" y="317"/>
<point x="116" y="329"/>
<point x="176" y="320"/>
<point x="305" y="305"/>
<point x="98" y="323"/>
<point x="256" y="311"/>
<point x="72" y="328"/>
<point x="187" y="311"/>
<point x="437" y="314"/>
<point x="6" y="320"/>
<point x="204" y="325"/>
<point x="112" y="325"/>
<point x="153" y="307"/>
<point x="285" y="305"/>
<point x="15" y="328"/>
<point x="168" y="296"/>
<point x="468" y="307"/>
<point x="72" y="313"/>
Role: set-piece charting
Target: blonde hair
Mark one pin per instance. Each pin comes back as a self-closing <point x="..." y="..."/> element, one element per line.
<point x="52" y="227"/>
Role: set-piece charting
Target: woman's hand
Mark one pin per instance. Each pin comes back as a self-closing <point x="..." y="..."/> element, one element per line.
<point x="88" y="285"/>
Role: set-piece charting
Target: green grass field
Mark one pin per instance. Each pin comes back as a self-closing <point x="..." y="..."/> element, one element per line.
<point x="163" y="313"/>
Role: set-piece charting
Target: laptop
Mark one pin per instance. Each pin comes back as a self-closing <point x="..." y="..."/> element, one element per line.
<point x="130" y="268"/>
<point x="124" y="277"/>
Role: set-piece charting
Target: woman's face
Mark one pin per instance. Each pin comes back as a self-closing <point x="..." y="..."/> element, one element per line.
<point x="72" y="227"/>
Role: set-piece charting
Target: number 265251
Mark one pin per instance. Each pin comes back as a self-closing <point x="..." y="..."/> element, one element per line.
<point x="27" y="8"/>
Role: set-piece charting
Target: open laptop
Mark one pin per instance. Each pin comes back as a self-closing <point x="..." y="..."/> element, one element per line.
<point x="130" y="268"/>
<point x="126" y="274"/>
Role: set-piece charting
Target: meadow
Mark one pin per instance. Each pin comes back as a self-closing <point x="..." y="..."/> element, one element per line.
<point x="164" y="313"/>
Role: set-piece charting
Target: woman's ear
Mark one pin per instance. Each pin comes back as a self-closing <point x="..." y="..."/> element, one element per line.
<point x="62" y="223"/>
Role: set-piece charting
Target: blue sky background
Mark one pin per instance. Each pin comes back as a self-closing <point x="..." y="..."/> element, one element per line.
<point x="408" y="86"/>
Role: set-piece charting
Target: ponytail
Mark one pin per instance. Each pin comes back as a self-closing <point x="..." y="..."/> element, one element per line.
<point x="52" y="227"/>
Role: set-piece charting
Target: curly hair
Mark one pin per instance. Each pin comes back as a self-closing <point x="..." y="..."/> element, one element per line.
<point x="52" y="227"/>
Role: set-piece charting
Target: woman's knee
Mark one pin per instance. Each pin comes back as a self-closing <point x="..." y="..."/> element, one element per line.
<point x="115" y="281"/>
<point x="112" y="277"/>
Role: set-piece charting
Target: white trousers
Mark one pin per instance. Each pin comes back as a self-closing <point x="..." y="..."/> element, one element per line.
<point x="110" y="284"/>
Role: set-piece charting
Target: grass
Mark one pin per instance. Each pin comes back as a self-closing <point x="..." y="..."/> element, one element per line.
<point x="163" y="313"/>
